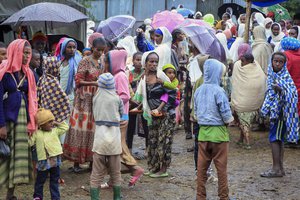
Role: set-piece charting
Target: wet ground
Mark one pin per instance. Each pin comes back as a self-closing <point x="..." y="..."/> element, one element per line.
<point x="244" y="167"/>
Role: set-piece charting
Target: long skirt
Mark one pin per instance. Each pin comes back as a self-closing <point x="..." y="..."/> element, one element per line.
<point x="18" y="168"/>
<point x="80" y="137"/>
<point x="160" y="142"/>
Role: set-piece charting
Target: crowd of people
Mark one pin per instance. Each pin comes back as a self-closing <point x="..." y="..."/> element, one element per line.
<point x="87" y="106"/>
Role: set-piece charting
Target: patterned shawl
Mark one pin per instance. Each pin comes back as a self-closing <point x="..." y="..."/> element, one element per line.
<point x="50" y="94"/>
<point x="284" y="101"/>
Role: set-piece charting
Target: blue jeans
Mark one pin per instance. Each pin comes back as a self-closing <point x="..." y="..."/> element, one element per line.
<point x="54" y="185"/>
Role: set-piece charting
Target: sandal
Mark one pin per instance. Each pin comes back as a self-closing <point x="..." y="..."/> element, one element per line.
<point x="271" y="174"/>
<point x="138" y="174"/>
<point x="163" y="175"/>
<point x="77" y="170"/>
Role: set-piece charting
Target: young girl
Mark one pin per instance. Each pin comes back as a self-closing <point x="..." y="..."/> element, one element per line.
<point x="49" y="149"/>
<point x="281" y="105"/>
<point x="107" y="140"/>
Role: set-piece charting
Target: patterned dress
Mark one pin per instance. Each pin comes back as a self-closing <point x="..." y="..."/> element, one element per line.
<point x="79" y="140"/>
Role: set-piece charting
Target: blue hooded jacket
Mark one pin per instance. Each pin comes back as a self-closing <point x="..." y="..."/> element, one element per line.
<point x="211" y="103"/>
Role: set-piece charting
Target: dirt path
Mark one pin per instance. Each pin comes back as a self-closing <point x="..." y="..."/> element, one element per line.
<point x="244" y="167"/>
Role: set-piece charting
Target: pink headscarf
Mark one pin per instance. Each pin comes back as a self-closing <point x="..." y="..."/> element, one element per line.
<point x="93" y="37"/>
<point x="244" y="49"/>
<point x="14" y="64"/>
<point x="58" y="47"/>
<point x="228" y="34"/>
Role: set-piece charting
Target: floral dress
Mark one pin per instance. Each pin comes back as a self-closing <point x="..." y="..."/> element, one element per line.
<point x="79" y="140"/>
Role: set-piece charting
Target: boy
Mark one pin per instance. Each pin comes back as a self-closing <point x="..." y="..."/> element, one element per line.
<point x="213" y="113"/>
<point x="108" y="109"/>
<point x="49" y="149"/>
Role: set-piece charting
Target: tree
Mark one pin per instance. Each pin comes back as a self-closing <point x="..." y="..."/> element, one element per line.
<point x="293" y="6"/>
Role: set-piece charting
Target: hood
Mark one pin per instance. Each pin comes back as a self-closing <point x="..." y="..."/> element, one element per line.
<point x="213" y="70"/>
<point x="117" y="61"/>
<point x="169" y="66"/>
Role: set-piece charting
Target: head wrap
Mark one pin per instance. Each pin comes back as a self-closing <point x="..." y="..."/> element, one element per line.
<point x="50" y="94"/>
<point x="228" y="34"/>
<point x="44" y="116"/>
<point x="290" y="43"/>
<point x="158" y="31"/>
<point x="209" y="18"/>
<point x="168" y="66"/>
<point x="267" y="20"/>
<point x="73" y="62"/>
<point x="219" y="24"/>
<point x="39" y="36"/>
<point x="14" y="64"/>
<point x="128" y="44"/>
<point x="106" y="81"/>
<point x="244" y="49"/>
<point x="233" y="30"/>
<point x="86" y="49"/>
<point x="94" y="36"/>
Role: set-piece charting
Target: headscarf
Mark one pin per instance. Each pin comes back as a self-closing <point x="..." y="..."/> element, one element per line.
<point x="58" y="48"/>
<point x="73" y="62"/>
<point x="298" y="28"/>
<point x="284" y="103"/>
<point x="50" y="94"/>
<point x="239" y="40"/>
<point x="39" y="36"/>
<point x="209" y="18"/>
<point x="219" y="24"/>
<point x="260" y="19"/>
<point x="12" y="64"/>
<point x="94" y="36"/>
<point x="279" y="37"/>
<point x="228" y="34"/>
<point x="239" y="19"/>
<point x="117" y="61"/>
<point x="261" y="49"/>
<point x="244" y="49"/>
<point x="223" y="40"/>
<point x="290" y="43"/>
<point x="268" y="30"/>
<point x="164" y="48"/>
<point x="128" y="44"/>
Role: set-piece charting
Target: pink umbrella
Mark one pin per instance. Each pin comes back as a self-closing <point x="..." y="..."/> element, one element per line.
<point x="167" y="19"/>
<point x="188" y="22"/>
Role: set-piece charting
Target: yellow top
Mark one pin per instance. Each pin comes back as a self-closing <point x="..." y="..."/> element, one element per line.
<point x="47" y="142"/>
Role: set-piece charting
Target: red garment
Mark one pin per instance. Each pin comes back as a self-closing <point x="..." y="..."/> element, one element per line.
<point x="293" y="66"/>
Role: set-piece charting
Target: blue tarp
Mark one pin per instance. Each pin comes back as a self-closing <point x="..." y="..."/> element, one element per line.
<point x="265" y="3"/>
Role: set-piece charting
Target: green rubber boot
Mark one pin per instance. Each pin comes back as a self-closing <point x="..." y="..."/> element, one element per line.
<point x="117" y="192"/>
<point x="94" y="192"/>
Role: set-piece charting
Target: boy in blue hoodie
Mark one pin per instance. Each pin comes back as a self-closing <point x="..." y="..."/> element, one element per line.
<point x="213" y="114"/>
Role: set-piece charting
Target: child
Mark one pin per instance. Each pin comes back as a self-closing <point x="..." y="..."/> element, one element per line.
<point x="107" y="140"/>
<point x="49" y="149"/>
<point x="281" y="105"/>
<point x="213" y="113"/>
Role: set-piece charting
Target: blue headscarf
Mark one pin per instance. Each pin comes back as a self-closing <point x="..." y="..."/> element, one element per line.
<point x="73" y="63"/>
<point x="290" y="43"/>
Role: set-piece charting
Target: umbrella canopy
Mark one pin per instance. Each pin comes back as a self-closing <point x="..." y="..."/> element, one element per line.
<point x="264" y="3"/>
<point x="167" y="19"/>
<point x="279" y="11"/>
<point x="184" y="12"/>
<point x="50" y="14"/>
<point x="116" y="27"/>
<point x="205" y="41"/>
<point x="199" y="22"/>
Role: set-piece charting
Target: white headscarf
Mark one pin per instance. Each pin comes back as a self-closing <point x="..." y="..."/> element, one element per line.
<point x="268" y="30"/>
<point x="260" y="19"/>
<point x="277" y="39"/>
<point x="164" y="48"/>
<point x="223" y="40"/>
<point x="128" y="44"/>
<point x="233" y="52"/>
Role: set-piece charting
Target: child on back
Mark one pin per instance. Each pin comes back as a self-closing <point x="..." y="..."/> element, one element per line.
<point x="170" y="71"/>
<point x="213" y="113"/>
<point x="108" y="109"/>
<point x="49" y="149"/>
<point x="281" y="105"/>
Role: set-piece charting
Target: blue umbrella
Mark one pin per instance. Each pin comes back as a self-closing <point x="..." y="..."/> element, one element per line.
<point x="184" y="12"/>
<point x="265" y="3"/>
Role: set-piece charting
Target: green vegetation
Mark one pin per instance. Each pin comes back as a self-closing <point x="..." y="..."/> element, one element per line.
<point x="293" y="6"/>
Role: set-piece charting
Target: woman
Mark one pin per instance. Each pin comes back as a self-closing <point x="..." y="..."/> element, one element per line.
<point x="79" y="140"/>
<point x="233" y="52"/>
<point x="70" y="59"/>
<point x="261" y="49"/>
<point x="276" y="36"/>
<point x="18" y="106"/>
<point x="161" y="129"/>
<point x="248" y="92"/>
<point x="267" y="25"/>
<point x="163" y="42"/>
<point x="294" y="32"/>
<point x="223" y="40"/>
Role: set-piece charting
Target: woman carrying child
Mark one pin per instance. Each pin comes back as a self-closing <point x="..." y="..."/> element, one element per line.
<point x="160" y="114"/>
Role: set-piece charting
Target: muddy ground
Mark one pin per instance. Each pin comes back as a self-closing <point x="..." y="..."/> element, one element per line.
<point x="244" y="167"/>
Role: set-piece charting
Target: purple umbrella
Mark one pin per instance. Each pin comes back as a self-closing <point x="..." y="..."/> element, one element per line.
<point x="116" y="27"/>
<point x="199" y="22"/>
<point x="205" y="41"/>
<point x="167" y="19"/>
